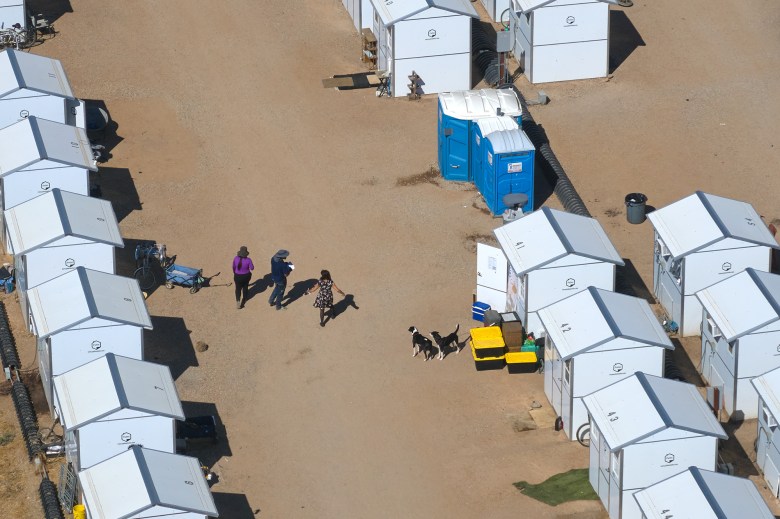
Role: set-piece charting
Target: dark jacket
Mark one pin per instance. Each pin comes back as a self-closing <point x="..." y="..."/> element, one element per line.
<point x="279" y="270"/>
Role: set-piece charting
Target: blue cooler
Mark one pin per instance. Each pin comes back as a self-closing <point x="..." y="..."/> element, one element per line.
<point x="478" y="310"/>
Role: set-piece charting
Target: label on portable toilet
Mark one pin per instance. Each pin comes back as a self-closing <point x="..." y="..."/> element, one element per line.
<point x="515" y="167"/>
<point x="477" y="136"/>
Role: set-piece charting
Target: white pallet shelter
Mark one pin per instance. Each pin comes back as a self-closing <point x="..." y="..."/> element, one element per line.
<point x="552" y="255"/>
<point x="768" y="435"/>
<point x="113" y="402"/>
<point x="13" y="12"/>
<point x="429" y="37"/>
<point x="561" y="40"/>
<point x="36" y="85"/>
<point x="740" y="331"/>
<point x="645" y="429"/>
<point x="57" y="232"/>
<point x="37" y="155"/>
<point x="143" y="482"/>
<point x="699" y="241"/>
<point x="82" y="315"/>
<point x="595" y="338"/>
<point x="702" y="494"/>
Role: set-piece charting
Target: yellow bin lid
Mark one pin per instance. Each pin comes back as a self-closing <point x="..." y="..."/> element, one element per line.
<point x="521" y="357"/>
<point x="487" y="337"/>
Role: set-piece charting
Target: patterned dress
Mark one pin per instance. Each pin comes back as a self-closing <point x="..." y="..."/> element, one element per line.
<point x="325" y="295"/>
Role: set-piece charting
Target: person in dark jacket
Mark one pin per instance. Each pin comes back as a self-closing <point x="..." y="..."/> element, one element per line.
<point x="242" y="273"/>
<point x="280" y="269"/>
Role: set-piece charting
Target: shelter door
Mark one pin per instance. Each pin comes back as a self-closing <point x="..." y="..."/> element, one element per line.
<point x="772" y="476"/>
<point x="707" y="352"/>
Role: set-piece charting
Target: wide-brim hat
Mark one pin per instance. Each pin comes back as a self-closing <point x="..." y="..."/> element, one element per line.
<point x="281" y="254"/>
<point x="242" y="252"/>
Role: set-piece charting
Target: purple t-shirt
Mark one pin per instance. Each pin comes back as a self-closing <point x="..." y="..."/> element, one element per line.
<point x="242" y="265"/>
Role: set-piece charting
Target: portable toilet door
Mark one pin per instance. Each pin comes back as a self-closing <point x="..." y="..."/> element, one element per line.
<point x="508" y="167"/>
<point x="481" y="129"/>
<point x="454" y="148"/>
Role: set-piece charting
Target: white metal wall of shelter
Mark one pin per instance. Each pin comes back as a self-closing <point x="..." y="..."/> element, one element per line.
<point x="561" y="40"/>
<point x="143" y="482"/>
<point x="699" y="241"/>
<point x="552" y="255"/>
<point x="740" y="331"/>
<point x="429" y="37"/>
<point x="595" y="338"/>
<point x="768" y="434"/>
<point x="36" y="85"/>
<point x="702" y="494"/>
<point x="37" y="155"/>
<point x="13" y="12"/>
<point x="57" y="232"/>
<point x="645" y="429"/>
<point x="82" y="315"/>
<point x="113" y="402"/>
<point x="361" y="12"/>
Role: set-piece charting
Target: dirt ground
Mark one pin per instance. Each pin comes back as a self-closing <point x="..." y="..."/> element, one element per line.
<point x="224" y="137"/>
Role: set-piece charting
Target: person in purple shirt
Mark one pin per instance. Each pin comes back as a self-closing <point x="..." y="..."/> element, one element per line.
<point x="242" y="273"/>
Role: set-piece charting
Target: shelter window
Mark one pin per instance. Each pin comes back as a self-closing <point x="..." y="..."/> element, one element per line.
<point x="567" y="371"/>
<point x="594" y="435"/>
<point x="713" y="329"/>
<point x="615" y="462"/>
<point x="675" y="269"/>
<point x="661" y="250"/>
<point x="768" y="418"/>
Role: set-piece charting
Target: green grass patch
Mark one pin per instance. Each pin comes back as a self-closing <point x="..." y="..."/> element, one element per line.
<point x="6" y="438"/>
<point x="560" y="488"/>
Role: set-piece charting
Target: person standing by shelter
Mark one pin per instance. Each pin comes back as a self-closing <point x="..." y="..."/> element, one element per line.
<point x="242" y="273"/>
<point x="280" y="269"/>
<point x="325" y="286"/>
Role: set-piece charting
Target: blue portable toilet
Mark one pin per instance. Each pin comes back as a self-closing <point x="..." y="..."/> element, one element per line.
<point x="507" y="167"/>
<point x="457" y="113"/>
<point x="481" y="129"/>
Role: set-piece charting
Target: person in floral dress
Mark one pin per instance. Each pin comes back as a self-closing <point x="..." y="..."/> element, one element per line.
<point x="324" y="299"/>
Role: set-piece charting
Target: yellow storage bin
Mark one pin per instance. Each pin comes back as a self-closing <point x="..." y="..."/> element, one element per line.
<point x="487" y="342"/>
<point x="522" y="362"/>
<point x="485" y="363"/>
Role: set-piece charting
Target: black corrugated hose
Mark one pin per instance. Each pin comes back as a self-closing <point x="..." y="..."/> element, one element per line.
<point x="8" y="353"/>
<point x="551" y="167"/>
<point x="27" y="418"/>
<point x="50" y="500"/>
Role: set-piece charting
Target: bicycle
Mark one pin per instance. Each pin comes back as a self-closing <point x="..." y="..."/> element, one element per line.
<point x="144" y="273"/>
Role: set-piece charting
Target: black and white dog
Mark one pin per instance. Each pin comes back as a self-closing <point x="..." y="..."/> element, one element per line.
<point x="443" y="343"/>
<point x="421" y="343"/>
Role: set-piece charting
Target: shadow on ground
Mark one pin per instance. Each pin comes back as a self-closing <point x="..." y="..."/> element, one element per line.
<point x="169" y="343"/>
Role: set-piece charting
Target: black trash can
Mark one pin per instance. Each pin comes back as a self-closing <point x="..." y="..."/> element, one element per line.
<point x="635" y="207"/>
